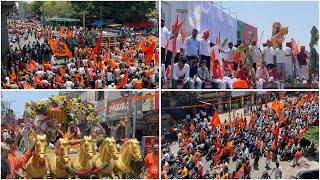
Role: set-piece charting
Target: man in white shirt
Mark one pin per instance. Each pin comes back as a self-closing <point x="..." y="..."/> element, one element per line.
<point x="215" y="49"/>
<point x="180" y="73"/>
<point x="268" y="55"/>
<point x="231" y="52"/>
<point x="205" y="49"/>
<point x="170" y="49"/>
<point x="253" y="50"/>
<point x="280" y="60"/>
<point x="288" y="61"/>
<point x="278" y="171"/>
<point x="262" y="75"/>
<point x="164" y="37"/>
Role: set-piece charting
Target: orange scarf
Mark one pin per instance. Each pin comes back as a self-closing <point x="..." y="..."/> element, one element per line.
<point x="215" y="73"/>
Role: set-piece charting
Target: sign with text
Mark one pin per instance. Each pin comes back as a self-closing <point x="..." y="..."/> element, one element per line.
<point x="147" y="142"/>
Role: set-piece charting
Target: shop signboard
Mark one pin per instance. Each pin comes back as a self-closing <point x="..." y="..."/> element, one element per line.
<point x="147" y="142"/>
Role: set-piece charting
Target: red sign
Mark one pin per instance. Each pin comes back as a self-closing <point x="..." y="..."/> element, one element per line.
<point x="20" y="120"/>
<point x="148" y="142"/>
<point x="248" y="30"/>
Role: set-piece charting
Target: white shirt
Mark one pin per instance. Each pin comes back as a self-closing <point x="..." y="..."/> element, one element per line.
<point x="164" y="36"/>
<point x="268" y="54"/>
<point x="179" y="44"/>
<point x="231" y="52"/>
<point x="205" y="47"/>
<point x="69" y="85"/>
<point x="81" y="71"/>
<point x="217" y="54"/>
<point x="287" y="51"/>
<point x="280" y="55"/>
<point x="178" y="73"/>
<point x="254" y="53"/>
<point x="278" y="171"/>
<point x="259" y="73"/>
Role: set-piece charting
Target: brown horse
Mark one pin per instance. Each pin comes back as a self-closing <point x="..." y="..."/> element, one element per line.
<point x="58" y="163"/>
<point x="82" y="161"/>
<point x="36" y="167"/>
<point x="108" y="153"/>
<point x="129" y="150"/>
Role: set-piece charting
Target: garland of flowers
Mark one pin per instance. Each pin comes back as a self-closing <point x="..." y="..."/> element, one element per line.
<point x="73" y="108"/>
<point x="73" y="172"/>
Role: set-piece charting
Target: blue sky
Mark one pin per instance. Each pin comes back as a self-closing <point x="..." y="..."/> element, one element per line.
<point x="299" y="16"/>
<point x="20" y="97"/>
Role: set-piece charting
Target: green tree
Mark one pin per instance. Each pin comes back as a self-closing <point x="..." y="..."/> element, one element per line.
<point x="312" y="135"/>
<point x="54" y="9"/>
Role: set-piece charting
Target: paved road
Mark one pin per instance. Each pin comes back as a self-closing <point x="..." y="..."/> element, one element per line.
<point x="288" y="172"/>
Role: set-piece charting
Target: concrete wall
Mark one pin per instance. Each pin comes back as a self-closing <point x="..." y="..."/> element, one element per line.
<point x="5" y="7"/>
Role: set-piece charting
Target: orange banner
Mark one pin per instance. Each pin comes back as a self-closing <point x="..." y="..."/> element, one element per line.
<point x="59" y="48"/>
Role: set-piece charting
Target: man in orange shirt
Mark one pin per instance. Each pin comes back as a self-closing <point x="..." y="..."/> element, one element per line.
<point x="152" y="163"/>
<point x="268" y="158"/>
<point x="8" y="153"/>
<point x="296" y="158"/>
<point x="196" y="156"/>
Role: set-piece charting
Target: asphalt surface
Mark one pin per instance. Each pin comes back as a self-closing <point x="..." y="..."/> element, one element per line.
<point x="288" y="172"/>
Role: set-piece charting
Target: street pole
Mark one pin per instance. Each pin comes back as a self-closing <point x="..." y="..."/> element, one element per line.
<point x="101" y="17"/>
<point x="134" y="118"/>
<point x="129" y="123"/>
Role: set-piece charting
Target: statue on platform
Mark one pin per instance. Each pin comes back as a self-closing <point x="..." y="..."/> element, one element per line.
<point x="82" y="161"/>
<point x="129" y="150"/>
<point x="37" y="165"/>
<point x="278" y="34"/>
<point x="108" y="154"/>
<point x="58" y="163"/>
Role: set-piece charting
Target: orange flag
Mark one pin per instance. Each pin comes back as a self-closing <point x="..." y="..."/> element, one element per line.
<point x="300" y="103"/>
<point x="28" y="67"/>
<point x="156" y="57"/>
<point x="316" y="99"/>
<point x="223" y="130"/>
<point x="59" y="48"/>
<point x="215" y="120"/>
<point x="33" y="65"/>
<point x="167" y="46"/>
<point x="13" y="76"/>
<point x="149" y="73"/>
<point x="63" y="71"/>
<point x="62" y="30"/>
<point x="183" y="36"/>
<point x="276" y="136"/>
<point x="259" y="101"/>
<point x="27" y="86"/>
<point x="309" y="95"/>
<point x="59" y="79"/>
<point x="36" y="80"/>
<point x="97" y="48"/>
<point x="213" y="58"/>
<point x="275" y="104"/>
<point x="240" y="173"/>
<point x="123" y="82"/>
<point x="289" y="106"/>
<point x="142" y="44"/>
<point x="149" y="53"/>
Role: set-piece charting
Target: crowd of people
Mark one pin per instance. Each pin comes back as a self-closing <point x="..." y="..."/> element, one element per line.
<point x="276" y="134"/>
<point x="62" y="57"/>
<point x="199" y="62"/>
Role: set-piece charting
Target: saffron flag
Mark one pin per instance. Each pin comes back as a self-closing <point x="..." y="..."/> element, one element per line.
<point x="149" y="53"/>
<point x="13" y="76"/>
<point x="59" y="79"/>
<point x="240" y="173"/>
<point x="142" y="44"/>
<point x="156" y="57"/>
<point x="63" y="71"/>
<point x="59" y="48"/>
<point x="97" y="48"/>
<point x="183" y="36"/>
<point x="82" y="81"/>
<point x="300" y="103"/>
<point x="123" y="81"/>
<point x="259" y="101"/>
<point x="215" y="120"/>
<point x="276" y="136"/>
<point x="27" y="86"/>
<point x="36" y="80"/>
<point x="309" y="95"/>
<point x="69" y="34"/>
